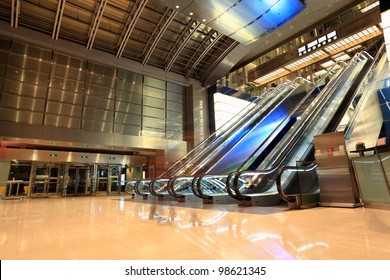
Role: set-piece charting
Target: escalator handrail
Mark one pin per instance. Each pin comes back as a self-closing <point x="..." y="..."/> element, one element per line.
<point x="265" y="111"/>
<point x="194" y="187"/>
<point x="171" y="189"/>
<point x="152" y="190"/>
<point x="236" y="174"/>
<point x="186" y="159"/>
<point x="137" y="190"/>
<point x="298" y="132"/>
<point x="282" y="123"/>
<point x="349" y="128"/>
<point x="221" y="130"/>
<point x="281" y="170"/>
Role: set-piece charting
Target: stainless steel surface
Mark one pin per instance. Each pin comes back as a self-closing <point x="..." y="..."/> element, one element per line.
<point x="75" y="157"/>
<point x="335" y="175"/>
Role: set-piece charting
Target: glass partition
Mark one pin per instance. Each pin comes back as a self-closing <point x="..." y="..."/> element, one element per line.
<point x="372" y="175"/>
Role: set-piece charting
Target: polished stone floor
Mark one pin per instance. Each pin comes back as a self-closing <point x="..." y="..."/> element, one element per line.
<point x="121" y="228"/>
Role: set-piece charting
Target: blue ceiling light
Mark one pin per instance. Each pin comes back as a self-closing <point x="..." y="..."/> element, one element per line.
<point x="248" y="20"/>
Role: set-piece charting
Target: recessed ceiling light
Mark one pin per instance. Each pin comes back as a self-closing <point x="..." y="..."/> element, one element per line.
<point x="191" y="13"/>
<point x="204" y="20"/>
<point x="177" y="6"/>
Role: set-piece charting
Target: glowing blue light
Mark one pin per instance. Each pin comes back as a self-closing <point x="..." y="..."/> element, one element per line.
<point x="258" y="18"/>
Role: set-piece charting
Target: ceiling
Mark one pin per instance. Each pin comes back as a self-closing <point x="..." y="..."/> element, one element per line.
<point x="180" y="36"/>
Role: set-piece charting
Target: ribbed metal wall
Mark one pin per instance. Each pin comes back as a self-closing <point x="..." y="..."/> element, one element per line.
<point x="42" y="87"/>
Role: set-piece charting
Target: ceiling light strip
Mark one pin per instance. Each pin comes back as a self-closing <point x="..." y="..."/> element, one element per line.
<point x="96" y="21"/>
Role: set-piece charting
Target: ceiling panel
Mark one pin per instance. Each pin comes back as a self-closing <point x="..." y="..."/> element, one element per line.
<point x="145" y="30"/>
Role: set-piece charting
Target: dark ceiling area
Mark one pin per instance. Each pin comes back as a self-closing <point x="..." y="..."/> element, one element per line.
<point x="165" y="34"/>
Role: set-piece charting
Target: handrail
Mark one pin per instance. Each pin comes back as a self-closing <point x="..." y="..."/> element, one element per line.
<point x="224" y="128"/>
<point x="239" y="171"/>
<point x="171" y="189"/>
<point x="136" y="188"/>
<point x="193" y="187"/>
<point x="187" y="159"/>
<point x="174" y="178"/>
<point x="152" y="189"/>
<point x="296" y="134"/>
<point x="350" y="125"/>
<point x="265" y="112"/>
<point x="281" y="192"/>
<point x="272" y="106"/>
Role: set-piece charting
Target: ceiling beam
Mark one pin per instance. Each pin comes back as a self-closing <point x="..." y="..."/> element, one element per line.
<point x="96" y="21"/>
<point x="157" y="33"/>
<point x="58" y="19"/>
<point x="218" y="61"/>
<point x="134" y="15"/>
<point x="181" y="42"/>
<point x="205" y="51"/>
<point x="15" y="11"/>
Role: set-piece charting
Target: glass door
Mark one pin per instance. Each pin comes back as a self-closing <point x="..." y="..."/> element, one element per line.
<point x="40" y="180"/>
<point x="114" y="175"/>
<point x="102" y="180"/>
<point x="78" y="180"/>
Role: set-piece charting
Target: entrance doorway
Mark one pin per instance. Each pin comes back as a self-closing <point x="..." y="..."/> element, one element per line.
<point x="108" y="179"/>
<point x="78" y="180"/>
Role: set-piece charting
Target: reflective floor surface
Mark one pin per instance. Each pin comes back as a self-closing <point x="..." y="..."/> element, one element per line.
<point x="105" y="228"/>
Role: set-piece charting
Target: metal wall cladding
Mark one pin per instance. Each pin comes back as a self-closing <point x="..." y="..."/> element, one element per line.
<point x="124" y="118"/>
<point x="20" y="116"/>
<point x="127" y="129"/>
<point x="49" y="88"/>
<point x="99" y="102"/>
<point x="28" y="76"/>
<point x="130" y="108"/>
<point x="154" y="112"/>
<point x="24" y="89"/>
<point x="62" y="121"/>
<point x="153" y="123"/>
<point x="151" y="132"/>
<point x="24" y="103"/>
<point x="153" y="102"/>
<point x="61" y="108"/>
<point x="131" y="97"/>
<point x="173" y="106"/>
<point x="97" y="125"/>
<point x="98" y="114"/>
<point x="65" y="96"/>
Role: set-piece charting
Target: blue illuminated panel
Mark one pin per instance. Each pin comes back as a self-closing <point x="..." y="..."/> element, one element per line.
<point x="242" y="150"/>
<point x="264" y="17"/>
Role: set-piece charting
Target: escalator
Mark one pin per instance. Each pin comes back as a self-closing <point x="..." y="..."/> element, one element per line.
<point x="270" y="121"/>
<point x="208" y="154"/>
<point x="364" y="123"/>
<point x="323" y="115"/>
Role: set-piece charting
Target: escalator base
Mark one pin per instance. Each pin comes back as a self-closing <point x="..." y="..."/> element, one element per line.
<point x="189" y="198"/>
<point x="220" y="199"/>
<point x="341" y="205"/>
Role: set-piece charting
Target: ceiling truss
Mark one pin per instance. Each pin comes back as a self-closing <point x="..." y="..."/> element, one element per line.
<point x="96" y="21"/>
<point x="145" y="31"/>
<point x="154" y="38"/>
